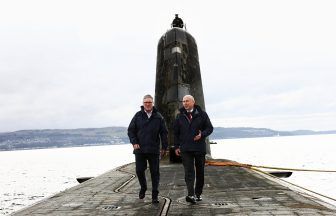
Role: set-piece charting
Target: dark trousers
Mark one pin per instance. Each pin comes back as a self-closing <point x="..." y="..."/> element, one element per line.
<point x="140" y="168"/>
<point x="193" y="162"/>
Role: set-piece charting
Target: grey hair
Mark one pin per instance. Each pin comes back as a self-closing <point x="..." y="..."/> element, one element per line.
<point x="190" y="97"/>
<point x="148" y="96"/>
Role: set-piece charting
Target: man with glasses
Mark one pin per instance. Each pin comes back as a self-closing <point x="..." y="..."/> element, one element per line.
<point x="191" y="127"/>
<point x="145" y="132"/>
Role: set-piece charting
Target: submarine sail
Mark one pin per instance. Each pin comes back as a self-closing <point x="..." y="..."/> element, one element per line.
<point x="177" y="74"/>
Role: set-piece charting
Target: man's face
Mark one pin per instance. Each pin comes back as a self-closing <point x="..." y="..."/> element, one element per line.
<point x="148" y="104"/>
<point x="188" y="103"/>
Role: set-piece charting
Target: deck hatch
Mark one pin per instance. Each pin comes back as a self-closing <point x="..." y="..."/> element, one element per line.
<point x="111" y="207"/>
<point x="219" y="204"/>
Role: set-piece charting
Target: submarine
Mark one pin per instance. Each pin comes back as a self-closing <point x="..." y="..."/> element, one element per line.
<point x="177" y="74"/>
<point x="232" y="189"/>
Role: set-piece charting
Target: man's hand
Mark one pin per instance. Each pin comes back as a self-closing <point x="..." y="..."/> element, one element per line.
<point x="199" y="135"/>
<point x="163" y="152"/>
<point x="136" y="146"/>
<point x="177" y="152"/>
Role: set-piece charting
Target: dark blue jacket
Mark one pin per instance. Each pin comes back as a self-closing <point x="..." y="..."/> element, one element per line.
<point x="185" y="130"/>
<point x="147" y="132"/>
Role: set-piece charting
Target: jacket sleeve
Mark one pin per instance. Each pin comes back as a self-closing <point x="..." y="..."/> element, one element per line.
<point x="176" y="133"/>
<point x="208" y="128"/>
<point x="132" y="131"/>
<point x="164" y="134"/>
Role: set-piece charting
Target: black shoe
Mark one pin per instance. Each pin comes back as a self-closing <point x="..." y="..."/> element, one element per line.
<point x="142" y="194"/>
<point x="198" y="198"/>
<point x="191" y="199"/>
<point x="155" y="201"/>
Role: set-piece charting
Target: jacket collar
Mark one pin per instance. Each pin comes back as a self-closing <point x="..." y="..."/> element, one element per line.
<point x="143" y="109"/>
<point x="197" y="110"/>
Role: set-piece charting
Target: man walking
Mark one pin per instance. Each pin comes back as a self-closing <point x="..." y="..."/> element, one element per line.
<point x="146" y="130"/>
<point x="191" y="127"/>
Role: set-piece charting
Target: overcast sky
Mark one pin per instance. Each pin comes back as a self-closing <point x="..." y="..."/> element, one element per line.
<point x="78" y="64"/>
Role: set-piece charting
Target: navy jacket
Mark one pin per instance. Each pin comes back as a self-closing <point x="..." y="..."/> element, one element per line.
<point x="147" y="132"/>
<point x="185" y="130"/>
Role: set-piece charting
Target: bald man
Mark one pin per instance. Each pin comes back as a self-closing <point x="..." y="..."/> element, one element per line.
<point x="191" y="127"/>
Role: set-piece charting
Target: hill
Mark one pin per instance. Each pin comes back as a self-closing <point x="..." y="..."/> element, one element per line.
<point x="34" y="139"/>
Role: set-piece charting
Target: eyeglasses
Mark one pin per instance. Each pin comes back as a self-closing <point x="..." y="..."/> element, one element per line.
<point x="147" y="102"/>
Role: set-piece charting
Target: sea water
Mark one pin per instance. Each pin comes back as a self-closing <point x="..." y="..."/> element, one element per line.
<point x="312" y="152"/>
<point x="27" y="176"/>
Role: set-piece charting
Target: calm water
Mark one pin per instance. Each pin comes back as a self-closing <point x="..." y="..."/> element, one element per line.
<point x="31" y="175"/>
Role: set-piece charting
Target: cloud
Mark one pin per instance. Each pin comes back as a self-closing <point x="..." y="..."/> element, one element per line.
<point x="88" y="64"/>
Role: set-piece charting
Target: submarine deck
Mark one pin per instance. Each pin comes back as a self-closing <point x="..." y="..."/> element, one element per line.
<point x="228" y="190"/>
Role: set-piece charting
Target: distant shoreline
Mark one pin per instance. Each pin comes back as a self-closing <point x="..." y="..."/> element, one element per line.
<point x="59" y="147"/>
<point x="59" y="138"/>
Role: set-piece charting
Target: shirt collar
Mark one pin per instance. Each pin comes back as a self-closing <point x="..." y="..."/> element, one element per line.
<point x="149" y="114"/>
<point x="188" y="111"/>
